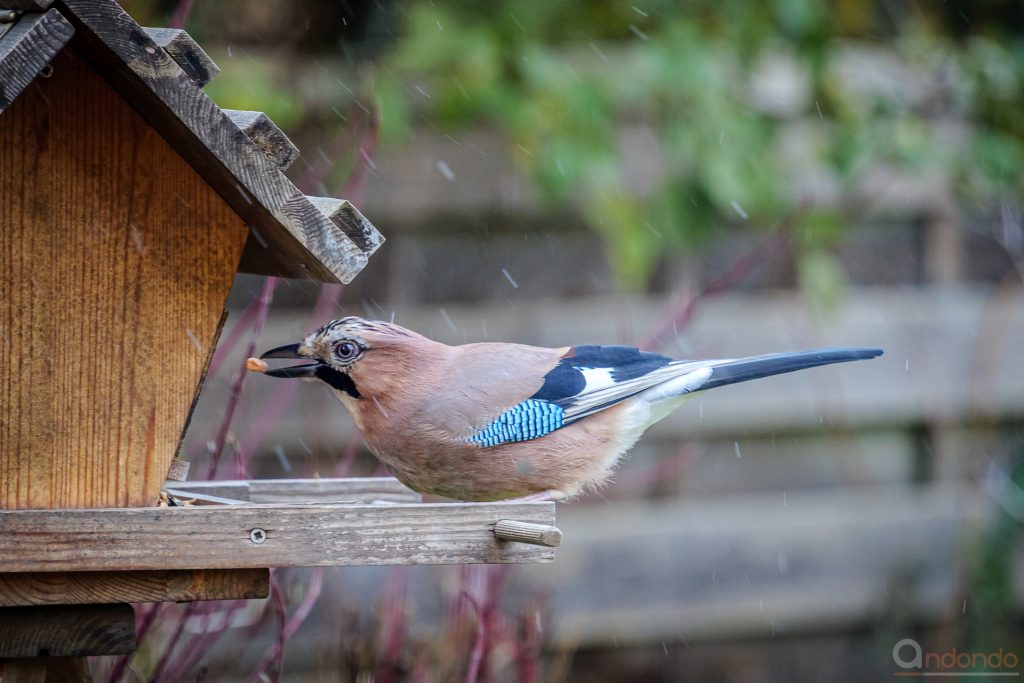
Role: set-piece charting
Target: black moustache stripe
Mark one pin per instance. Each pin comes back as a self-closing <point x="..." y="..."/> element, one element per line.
<point x="337" y="380"/>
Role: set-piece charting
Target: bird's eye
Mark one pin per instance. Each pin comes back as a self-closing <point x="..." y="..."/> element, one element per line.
<point x="346" y="350"/>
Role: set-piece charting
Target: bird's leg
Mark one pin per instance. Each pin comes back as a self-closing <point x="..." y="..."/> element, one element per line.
<point x="552" y="495"/>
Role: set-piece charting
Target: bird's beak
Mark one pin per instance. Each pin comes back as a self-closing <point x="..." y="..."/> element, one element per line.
<point x="295" y="371"/>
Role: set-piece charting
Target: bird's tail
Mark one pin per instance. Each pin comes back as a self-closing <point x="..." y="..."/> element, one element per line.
<point x="755" y="367"/>
<point x="702" y="375"/>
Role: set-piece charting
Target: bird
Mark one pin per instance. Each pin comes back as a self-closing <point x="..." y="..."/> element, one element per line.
<point x="497" y="421"/>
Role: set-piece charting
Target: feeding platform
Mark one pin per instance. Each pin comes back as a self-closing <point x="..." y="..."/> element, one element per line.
<point x="130" y="201"/>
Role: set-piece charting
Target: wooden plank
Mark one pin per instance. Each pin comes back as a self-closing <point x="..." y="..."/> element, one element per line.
<point x="290" y="236"/>
<point x="222" y="537"/>
<point x="350" y="490"/>
<point x="347" y="218"/>
<point x="26" y="670"/>
<point x="67" y="631"/>
<point x="26" y="5"/>
<point x="27" y="48"/>
<point x="81" y="588"/>
<point x="192" y="58"/>
<point x="117" y="257"/>
<point x="267" y="136"/>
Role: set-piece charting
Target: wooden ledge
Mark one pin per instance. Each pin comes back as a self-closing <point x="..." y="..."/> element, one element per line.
<point x="96" y="588"/>
<point x="340" y="490"/>
<point x="266" y="535"/>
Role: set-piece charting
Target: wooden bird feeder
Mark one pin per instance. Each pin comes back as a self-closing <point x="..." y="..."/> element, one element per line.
<point x="128" y="201"/>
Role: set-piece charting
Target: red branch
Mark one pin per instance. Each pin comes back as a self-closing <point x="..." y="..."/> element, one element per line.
<point x="681" y="312"/>
<point x="275" y="653"/>
<point x="265" y="298"/>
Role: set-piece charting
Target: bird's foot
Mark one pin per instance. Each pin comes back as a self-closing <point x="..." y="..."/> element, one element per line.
<point x="553" y="495"/>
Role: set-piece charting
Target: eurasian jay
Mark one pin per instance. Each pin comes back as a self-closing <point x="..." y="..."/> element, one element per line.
<point x="492" y="421"/>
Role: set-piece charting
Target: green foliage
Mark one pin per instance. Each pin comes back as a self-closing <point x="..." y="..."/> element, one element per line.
<point x="991" y="617"/>
<point x="561" y="79"/>
<point x="246" y="86"/>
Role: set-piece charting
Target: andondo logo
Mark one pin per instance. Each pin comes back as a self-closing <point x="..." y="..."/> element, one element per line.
<point x="914" y="660"/>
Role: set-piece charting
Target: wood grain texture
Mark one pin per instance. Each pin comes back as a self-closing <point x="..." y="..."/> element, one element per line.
<point x="267" y="136"/>
<point x="290" y="236"/>
<point x="26" y="670"/>
<point x="525" y="532"/>
<point x="67" y="631"/>
<point x="115" y="262"/>
<point x="178" y="471"/>
<point x="27" y="48"/>
<point x="192" y="59"/>
<point x="81" y="588"/>
<point x="53" y="669"/>
<point x="218" y="537"/>
<point x="350" y="221"/>
<point x="26" y="5"/>
<point x="347" y="490"/>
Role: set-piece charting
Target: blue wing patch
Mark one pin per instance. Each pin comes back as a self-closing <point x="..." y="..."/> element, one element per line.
<point x="528" y="420"/>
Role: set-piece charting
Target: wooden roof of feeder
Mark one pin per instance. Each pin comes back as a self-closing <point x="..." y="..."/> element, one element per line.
<point x="241" y="154"/>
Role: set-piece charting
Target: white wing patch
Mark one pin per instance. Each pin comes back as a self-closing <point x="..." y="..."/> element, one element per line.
<point x="596" y="378"/>
<point x="668" y="381"/>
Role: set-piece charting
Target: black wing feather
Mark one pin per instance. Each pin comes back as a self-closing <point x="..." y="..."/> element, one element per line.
<point x="566" y="379"/>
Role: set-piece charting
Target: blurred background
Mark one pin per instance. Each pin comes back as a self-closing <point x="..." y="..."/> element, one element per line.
<point x="697" y="178"/>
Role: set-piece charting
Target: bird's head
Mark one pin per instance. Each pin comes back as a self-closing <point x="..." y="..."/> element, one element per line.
<point x="341" y="348"/>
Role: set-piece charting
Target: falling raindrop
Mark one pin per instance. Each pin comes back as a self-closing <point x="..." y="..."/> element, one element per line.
<point x="195" y="340"/>
<point x="282" y="458"/>
<point x="509" y="278"/>
<point x="446" y="170"/>
<point x="737" y="445"/>
<point x="447" y="319"/>
<point x="638" y="33"/>
<point x="739" y="209"/>
<point x="137" y="238"/>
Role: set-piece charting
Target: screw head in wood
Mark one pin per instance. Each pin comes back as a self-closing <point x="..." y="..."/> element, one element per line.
<point x="257" y="536"/>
